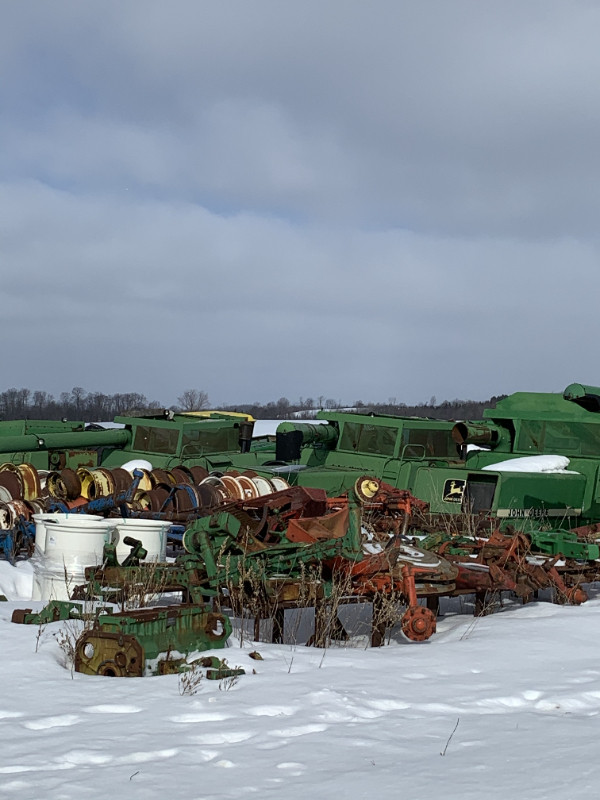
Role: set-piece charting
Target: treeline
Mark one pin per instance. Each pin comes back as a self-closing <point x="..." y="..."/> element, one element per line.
<point x="78" y="404"/>
<point x="306" y="409"/>
<point x="74" y="405"/>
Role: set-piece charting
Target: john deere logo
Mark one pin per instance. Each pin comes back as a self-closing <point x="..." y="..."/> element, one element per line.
<point x="454" y="490"/>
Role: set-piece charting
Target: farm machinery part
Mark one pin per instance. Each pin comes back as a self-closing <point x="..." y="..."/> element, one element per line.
<point x="520" y="563"/>
<point x="294" y="548"/>
<point x="120" y="493"/>
<point x="50" y="444"/>
<point x="231" y="544"/>
<point x="393" y="565"/>
<point x="149" y="641"/>
<point x="20" y="537"/>
<point x="54" y="611"/>
<point x="289" y="548"/>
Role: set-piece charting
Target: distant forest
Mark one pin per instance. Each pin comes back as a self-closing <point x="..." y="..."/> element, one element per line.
<point x="78" y="404"/>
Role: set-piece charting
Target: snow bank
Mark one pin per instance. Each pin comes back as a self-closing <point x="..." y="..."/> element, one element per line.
<point x="137" y="463"/>
<point x="16" y="583"/>
<point x="268" y="427"/>
<point x="532" y="464"/>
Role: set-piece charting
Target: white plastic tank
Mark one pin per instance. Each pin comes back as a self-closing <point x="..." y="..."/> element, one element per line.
<point x="65" y="545"/>
<point x="40" y="526"/>
<point x="151" y="532"/>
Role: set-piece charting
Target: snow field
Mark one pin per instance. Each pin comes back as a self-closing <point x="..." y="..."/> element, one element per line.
<point x="524" y="686"/>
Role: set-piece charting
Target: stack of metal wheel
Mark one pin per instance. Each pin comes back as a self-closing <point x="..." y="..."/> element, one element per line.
<point x="20" y="490"/>
<point x="178" y="491"/>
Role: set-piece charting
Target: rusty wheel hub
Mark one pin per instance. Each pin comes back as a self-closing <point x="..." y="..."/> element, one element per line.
<point x="577" y="596"/>
<point x="418" y="623"/>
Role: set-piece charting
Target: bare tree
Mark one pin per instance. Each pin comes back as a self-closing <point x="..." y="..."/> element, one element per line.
<point x="193" y="400"/>
<point x="77" y="398"/>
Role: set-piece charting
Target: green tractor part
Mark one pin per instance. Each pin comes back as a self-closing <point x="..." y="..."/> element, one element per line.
<point x="218" y="669"/>
<point x="565" y="544"/>
<point x="54" y="611"/>
<point x="53" y="445"/>
<point x="149" y="641"/>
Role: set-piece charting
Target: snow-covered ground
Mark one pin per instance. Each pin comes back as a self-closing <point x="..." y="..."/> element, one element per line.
<point x="520" y="690"/>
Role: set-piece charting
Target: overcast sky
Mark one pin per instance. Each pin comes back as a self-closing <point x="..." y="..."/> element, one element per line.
<point x="264" y="198"/>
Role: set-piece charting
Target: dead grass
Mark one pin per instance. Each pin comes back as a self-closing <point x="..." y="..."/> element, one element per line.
<point x="66" y="638"/>
<point x="191" y="680"/>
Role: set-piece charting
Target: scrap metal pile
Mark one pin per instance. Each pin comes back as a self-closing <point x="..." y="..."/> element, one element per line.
<point x="259" y="555"/>
<point x="521" y="563"/>
<point x="294" y="548"/>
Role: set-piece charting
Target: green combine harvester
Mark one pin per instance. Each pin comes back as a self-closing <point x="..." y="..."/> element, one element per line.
<point x="165" y="439"/>
<point x="435" y="461"/>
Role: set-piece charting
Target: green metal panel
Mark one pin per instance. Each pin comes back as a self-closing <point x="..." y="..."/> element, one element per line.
<point x="178" y="628"/>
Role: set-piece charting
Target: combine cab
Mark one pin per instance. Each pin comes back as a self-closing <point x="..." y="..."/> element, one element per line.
<point x="165" y="440"/>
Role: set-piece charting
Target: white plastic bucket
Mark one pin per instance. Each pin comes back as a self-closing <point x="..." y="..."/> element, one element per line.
<point x="151" y="532"/>
<point x="66" y="546"/>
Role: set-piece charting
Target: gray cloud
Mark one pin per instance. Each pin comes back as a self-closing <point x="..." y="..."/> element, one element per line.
<point x="276" y="199"/>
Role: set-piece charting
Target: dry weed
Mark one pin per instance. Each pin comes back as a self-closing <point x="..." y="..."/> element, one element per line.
<point x="66" y="638"/>
<point x="190" y="681"/>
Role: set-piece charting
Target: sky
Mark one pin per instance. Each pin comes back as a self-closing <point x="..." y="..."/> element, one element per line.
<point x="275" y="199"/>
